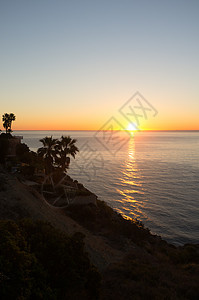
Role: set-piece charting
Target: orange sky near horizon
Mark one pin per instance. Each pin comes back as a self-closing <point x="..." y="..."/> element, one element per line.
<point x="158" y="113"/>
<point x="95" y="123"/>
<point x="91" y="116"/>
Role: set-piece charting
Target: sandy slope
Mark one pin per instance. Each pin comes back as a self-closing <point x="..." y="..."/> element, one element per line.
<point x="20" y="201"/>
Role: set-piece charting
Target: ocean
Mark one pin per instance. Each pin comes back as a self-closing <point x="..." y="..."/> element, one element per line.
<point x="150" y="176"/>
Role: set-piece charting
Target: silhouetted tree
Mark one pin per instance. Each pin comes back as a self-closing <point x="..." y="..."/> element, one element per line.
<point x="48" y="153"/>
<point x="7" y="121"/>
<point x="55" y="153"/>
<point x="65" y="147"/>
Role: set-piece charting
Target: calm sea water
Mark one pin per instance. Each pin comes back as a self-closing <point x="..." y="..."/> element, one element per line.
<point x="151" y="176"/>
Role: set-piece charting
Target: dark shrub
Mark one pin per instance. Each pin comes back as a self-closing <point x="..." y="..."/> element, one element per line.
<point x="40" y="262"/>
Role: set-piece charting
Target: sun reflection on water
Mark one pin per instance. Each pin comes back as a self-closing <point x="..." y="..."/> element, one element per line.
<point x="131" y="188"/>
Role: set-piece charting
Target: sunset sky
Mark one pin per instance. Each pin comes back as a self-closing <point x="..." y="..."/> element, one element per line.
<point x="74" y="64"/>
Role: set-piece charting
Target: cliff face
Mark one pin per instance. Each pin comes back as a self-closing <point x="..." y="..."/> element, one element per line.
<point x="133" y="263"/>
<point x="21" y="201"/>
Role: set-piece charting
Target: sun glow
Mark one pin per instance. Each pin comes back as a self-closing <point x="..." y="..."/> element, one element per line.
<point x="132" y="127"/>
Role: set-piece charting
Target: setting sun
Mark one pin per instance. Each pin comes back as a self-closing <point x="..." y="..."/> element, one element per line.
<point x="132" y="127"/>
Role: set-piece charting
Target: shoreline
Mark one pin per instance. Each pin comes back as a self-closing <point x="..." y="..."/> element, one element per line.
<point x="83" y="201"/>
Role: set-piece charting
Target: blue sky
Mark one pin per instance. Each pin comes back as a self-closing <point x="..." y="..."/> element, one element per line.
<point x="72" y="64"/>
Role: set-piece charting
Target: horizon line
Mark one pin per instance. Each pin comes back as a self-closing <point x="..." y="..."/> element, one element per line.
<point x="148" y="130"/>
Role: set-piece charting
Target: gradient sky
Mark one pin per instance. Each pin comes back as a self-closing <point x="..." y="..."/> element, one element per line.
<point x="73" y="64"/>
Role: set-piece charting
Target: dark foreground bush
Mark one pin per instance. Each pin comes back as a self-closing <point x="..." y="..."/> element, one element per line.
<point x="40" y="262"/>
<point x="145" y="276"/>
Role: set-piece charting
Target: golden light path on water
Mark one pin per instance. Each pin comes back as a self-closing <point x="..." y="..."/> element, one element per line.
<point x="131" y="188"/>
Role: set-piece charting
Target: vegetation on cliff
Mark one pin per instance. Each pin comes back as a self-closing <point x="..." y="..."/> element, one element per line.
<point x="56" y="153"/>
<point x="150" y="267"/>
<point x="39" y="262"/>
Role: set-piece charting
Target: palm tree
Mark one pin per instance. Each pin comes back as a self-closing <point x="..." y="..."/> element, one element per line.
<point x="48" y="153"/>
<point x="64" y="148"/>
<point x="56" y="153"/>
<point x="7" y="121"/>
